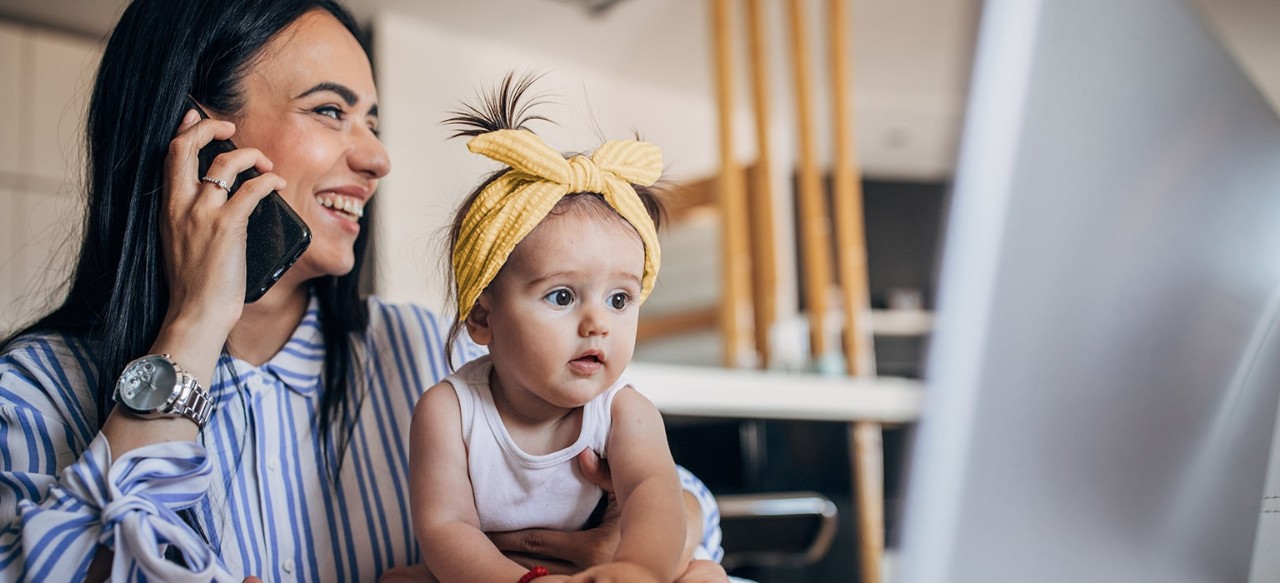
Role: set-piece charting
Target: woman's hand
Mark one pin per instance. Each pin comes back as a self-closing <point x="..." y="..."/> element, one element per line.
<point x="203" y="229"/>
<point x="203" y="233"/>
<point x="580" y="550"/>
<point x="577" y="550"/>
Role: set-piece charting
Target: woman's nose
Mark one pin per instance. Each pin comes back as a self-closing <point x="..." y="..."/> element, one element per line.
<point x="369" y="156"/>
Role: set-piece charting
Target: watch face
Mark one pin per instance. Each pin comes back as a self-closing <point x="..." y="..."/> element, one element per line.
<point x="147" y="383"/>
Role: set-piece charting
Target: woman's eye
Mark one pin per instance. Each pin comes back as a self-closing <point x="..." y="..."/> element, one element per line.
<point x="619" y="301"/>
<point x="560" y="297"/>
<point x="329" y="111"/>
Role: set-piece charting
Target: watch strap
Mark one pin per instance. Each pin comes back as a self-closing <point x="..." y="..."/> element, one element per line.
<point x="196" y="406"/>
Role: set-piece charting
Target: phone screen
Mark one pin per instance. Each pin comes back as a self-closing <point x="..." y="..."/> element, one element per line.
<point x="277" y="235"/>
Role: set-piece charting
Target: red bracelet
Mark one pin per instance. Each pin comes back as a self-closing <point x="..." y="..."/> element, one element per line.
<point x="534" y="573"/>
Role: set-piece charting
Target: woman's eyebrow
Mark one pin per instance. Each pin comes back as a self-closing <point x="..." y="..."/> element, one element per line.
<point x="343" y="91"/>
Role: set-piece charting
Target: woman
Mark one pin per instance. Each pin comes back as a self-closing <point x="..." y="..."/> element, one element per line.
<point x="296" y="466"/>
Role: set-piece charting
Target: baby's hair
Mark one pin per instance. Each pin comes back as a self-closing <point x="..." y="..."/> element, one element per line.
<point x="500" y="109"/>
<point x="505" y="108"/>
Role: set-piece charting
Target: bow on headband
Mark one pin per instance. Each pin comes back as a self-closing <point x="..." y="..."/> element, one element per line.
<point x="510" y="207"/>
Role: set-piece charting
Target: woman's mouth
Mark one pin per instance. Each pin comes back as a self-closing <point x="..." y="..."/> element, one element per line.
<point x="347" y="207"/>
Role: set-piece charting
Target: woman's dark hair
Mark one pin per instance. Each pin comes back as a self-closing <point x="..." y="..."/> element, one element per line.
<point x="159" y="52"/>
<point x="505" y="108"/>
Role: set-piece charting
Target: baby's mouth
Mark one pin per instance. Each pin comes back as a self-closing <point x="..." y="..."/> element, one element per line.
<point x="588" y="363"/>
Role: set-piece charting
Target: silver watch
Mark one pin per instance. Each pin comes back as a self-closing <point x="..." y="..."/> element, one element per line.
<point x="155" y="386"/>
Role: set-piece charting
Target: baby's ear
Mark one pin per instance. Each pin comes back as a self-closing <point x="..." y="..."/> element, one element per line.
<point x="478" y="321"/>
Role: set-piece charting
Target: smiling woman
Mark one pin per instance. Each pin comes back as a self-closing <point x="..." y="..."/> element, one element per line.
<point x="310" y="106"/>
<point x="263" y="439"/>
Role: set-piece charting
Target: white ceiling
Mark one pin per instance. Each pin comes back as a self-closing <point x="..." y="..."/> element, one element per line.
<point x="912" y="56"/>
<point x="912" y="46"/>
<point x="917" y="46"/>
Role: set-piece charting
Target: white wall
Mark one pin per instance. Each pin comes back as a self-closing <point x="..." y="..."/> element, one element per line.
<point x="425" y="70"/>
<point x="648" y="66"/>
<point x="43" y="97"/>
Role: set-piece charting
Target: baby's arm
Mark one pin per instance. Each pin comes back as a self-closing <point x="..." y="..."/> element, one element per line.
<point x="444" y="510"/>
<point x="649" y="495"/>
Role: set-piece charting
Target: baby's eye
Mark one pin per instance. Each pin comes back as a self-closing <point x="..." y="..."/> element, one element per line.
<point x="620" y="300"/>
<point x="561" y="297"/>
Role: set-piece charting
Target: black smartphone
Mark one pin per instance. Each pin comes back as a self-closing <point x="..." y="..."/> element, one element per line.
<point x="277" y="235"/>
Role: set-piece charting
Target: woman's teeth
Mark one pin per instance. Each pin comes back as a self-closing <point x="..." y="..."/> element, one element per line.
<point x="346" y="204"/>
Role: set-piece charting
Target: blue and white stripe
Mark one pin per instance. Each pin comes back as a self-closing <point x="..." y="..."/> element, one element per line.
<point x="270" y="510"/>
<point x="709" y="548"/>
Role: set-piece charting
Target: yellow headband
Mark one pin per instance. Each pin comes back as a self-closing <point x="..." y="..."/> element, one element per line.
<point x="510" y="207"/>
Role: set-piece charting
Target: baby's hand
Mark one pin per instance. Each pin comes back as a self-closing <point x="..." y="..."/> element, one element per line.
<point x="618" y="572"/>
<point x="703" y="571"/>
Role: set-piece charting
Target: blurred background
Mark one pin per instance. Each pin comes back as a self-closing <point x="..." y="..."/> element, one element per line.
<point x="749" y="100"/>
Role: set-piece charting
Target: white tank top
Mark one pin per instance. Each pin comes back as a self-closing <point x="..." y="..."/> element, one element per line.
<point x="513" y="489"/>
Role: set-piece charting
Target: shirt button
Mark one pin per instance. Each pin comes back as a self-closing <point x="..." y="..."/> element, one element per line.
<point x="273" y="465"/>
<point x="288" y="566"/>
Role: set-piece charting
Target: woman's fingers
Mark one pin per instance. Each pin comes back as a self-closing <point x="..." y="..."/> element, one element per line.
<point x="595" y="470"/>
<point x="221" y="176"/>
<point x="583" y="548"/>
<point x="540" y="542"/>
<point x="204" y="225"/>
<point x="182" y="163"/>
<point x="246" y="199"/>
<point x="228" y="165"/>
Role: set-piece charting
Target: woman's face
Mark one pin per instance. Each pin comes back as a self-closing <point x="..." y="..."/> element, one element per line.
<point x="311" y="108"/>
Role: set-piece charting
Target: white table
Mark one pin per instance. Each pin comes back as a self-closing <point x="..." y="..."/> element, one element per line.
<point x="864" y="404"/>
<point x="752" y="394"/>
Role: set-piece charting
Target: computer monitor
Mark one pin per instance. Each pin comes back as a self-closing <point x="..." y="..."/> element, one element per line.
<point x="1102" y="384"/>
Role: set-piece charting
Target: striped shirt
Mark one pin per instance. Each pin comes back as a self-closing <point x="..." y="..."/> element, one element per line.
<point x="254" y="479"/>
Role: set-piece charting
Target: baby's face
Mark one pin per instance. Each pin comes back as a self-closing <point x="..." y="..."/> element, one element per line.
<point x="564" y="310"/>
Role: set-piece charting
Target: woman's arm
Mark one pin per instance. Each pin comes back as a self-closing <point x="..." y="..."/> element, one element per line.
<point x="441" y="500"/>
<point x="60" y="491"/>
<point x="203" y="236"/>
<point x="48" y="417"/>
<point x="578" y="550"/>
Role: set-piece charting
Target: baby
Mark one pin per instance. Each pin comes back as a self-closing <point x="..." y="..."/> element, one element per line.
<point x="551" y="259"/>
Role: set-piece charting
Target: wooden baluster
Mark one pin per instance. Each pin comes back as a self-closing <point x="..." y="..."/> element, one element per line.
<point x="734" y="312"/>
<point x="851" y="240"/>
<point x="865" y="438"/>
<point x="815" y="231"/>
<point x="764" y="270"/>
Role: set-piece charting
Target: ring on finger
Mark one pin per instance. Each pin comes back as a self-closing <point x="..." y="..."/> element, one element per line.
<point x="218" y="182"/>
